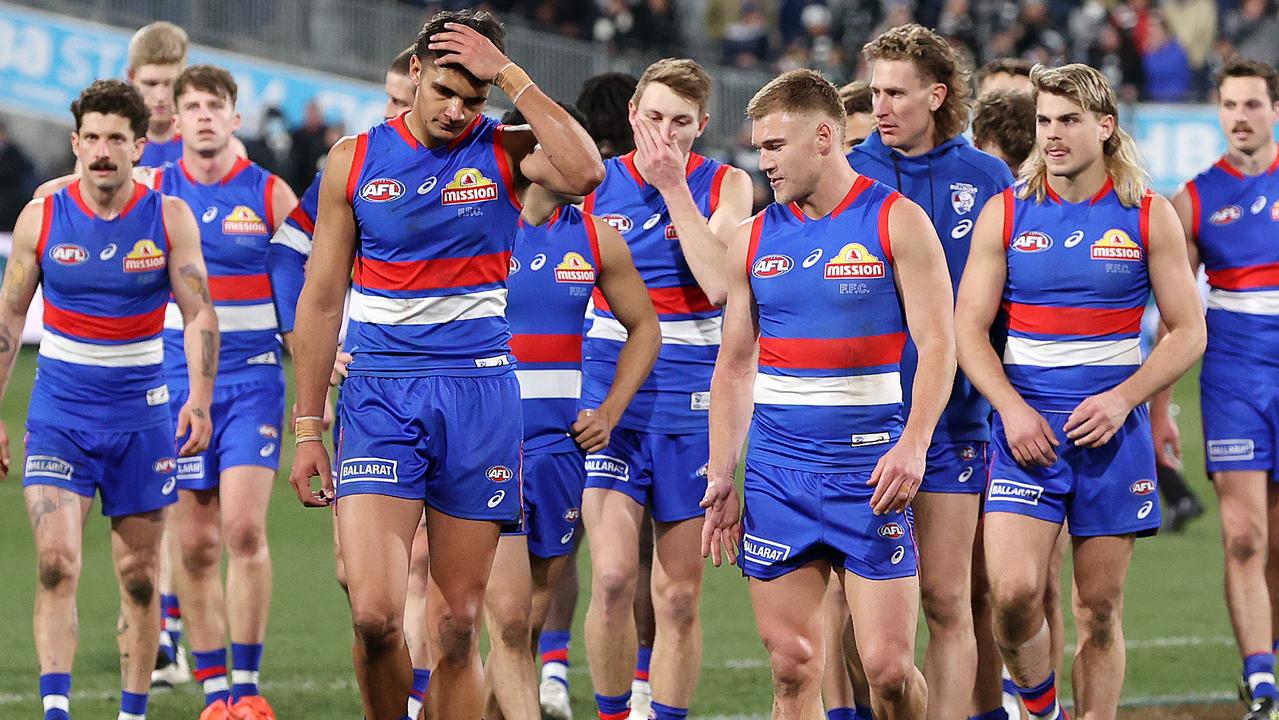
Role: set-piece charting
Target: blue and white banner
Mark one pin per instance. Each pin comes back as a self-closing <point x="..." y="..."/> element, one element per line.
<point x="46" y="60"/>
<point x="1177" y="141"/>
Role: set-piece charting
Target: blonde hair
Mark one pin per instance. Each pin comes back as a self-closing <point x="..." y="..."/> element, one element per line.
<point x="684" y="77"/>
<point x="936" y="61"/>
<point x="1089" y="89"/>
<point x="800" y="90"/>
<point x="160" y="43"/>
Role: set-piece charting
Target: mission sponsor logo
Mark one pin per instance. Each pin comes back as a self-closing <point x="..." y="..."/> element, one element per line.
<point x="1116" y="245"/>
<point x="854" y="261"/>
<point x="1031" y="241"/>
<point x="144" y="257"/>
<point x="772" y="266"/>
<point x="243" y="221"/>
<point x="382" y="190"/>
<point x="574" y="269"/>
<point x="671" y="233"/>
<point x="68" y="254"/>
<point x="469" y="186"/>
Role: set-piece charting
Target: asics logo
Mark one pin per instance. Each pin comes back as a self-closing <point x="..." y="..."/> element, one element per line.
<point x="427" y="186"/>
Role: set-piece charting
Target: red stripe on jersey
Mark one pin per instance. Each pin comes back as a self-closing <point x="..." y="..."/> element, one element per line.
<point x="1040" y="704"/>
<point x="1143" y="219"/>
<point x="885" y="239"/>
<point x="859" y="186"/>
<point x="239" y="287"/>
<point x="504" y="167"/>
<point x="757" y="228"/>
<point x="593" y="237"/>
<point x="432" y="274"/>
<point x="303" y="220"/>
<point x="669" y="301"/>
<point x="547" y="348"/>
<point x="46" y="224"/>
<point x="1053" y="320"/>
<point x="1192" y="191"/>
<point x="716" y="183"/>
<point x="831" y="354"/>
<point x="1008" y="217"/>
<point x="357" y="165"/>
<point x="268" y="201"/>
<point x="1245" y="278"/>
<point x="97" y="327"/>
<point x="588" y="205"/>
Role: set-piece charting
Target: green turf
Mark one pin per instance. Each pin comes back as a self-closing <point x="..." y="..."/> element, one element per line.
<point x="1175" y="616"/>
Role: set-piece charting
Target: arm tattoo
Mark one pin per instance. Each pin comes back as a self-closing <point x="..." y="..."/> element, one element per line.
<point x="6" y="342"/>
<point x="15" y="285"/>
<point x="206" y="351"/>
<point x="196" y="282"/>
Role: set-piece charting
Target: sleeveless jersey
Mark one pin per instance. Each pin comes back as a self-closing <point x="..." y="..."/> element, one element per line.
<point x="676" y="396"/>
<point x="436" y="231"/>
<point x="828" y="394"/>
<point x="1235" y="224"/>
<point x="156" y="155"/>
<point x="554" y="268"/>
<point x="1076" y="290"/>
<point x="236" y="221"/>
<point x="105" y="285"/>
<point x="287" y="256"/>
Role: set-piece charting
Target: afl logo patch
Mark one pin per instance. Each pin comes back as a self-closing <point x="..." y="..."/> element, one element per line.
<point x="1031" y="242"/>
<point x="382" y="190"/>
<point x="67" y="254"/>
<point x="499" y="474"/>
<point x="892" y="531"/>
<point x="1142" y="487"/>
<point x="619" y="222"/>
<point x="513" y="267"/>
<point x="772" y="266"/>
<point x="1226" y="215"/>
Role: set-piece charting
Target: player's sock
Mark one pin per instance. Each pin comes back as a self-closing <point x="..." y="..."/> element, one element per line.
<point x="55" y="693"/>
<point x="417" y="696"/>
<point x="1274" y="646"/>
<point x="552" y="646"/>
<point x="666" y="712"/>
<point x="613" y="707"/>
<point x="997" y="714"/>
<point x="1041" y="700"/>
<point x="133" y="706"/>
<point x="246" y="660"/>
<point x="842" y="713"/>
<point x="170" y="626"/>
<point x="1259" y="673"/>
<point x="642" y="658"/>
<point x="862" y="712"/>
<point x="210" y="671"/>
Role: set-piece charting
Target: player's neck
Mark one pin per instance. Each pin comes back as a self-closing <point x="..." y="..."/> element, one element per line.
<point x="1254" y="163"/>
<point x="106" y="203"/>
<point x="208" y="170"/>
<point x="417" y="128"/>
<point x="162" y="136"/>
<point x="831" y="191"/>
<point x="922" y="144"/>
<point x="1084" y="185"/>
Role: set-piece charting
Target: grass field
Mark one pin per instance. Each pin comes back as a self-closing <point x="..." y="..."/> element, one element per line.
<point x="1180" y="650"/>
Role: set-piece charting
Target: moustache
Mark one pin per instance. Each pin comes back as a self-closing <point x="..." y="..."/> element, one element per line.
<point x="103" y="165"/>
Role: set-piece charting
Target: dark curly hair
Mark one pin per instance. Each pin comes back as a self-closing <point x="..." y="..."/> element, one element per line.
<point x="603" y="100"/>
<point x="480" y="21"/>
<point x="113" y="97"/>
<point x="1006" y="119"/>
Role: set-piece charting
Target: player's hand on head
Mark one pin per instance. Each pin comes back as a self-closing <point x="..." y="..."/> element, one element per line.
<point x="196" y="425"/>
<point x="311" y="459"/>
<point x="896" y="478"/>
<point x="722" y="527"/>
<point x="465" y="46"/>
<point x="1167" y="438"/>
<point x="657" y="161"/>
<point x="1096" y="420"/>
<point x="1029" y="436"/>
<point x="593" y="429"/>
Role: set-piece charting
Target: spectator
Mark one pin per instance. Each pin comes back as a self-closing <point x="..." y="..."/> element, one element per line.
<point x="654" y="27"/>
<point x="1252" y="32"/>
<point x="956" y="24"/>
<point x="17" y="180"/>
<point x="1133" y="18"/>
<point x="1194" y="24"/>
<point x="1038" y="40"/>
<point x="746" y="39"/>
<point x="1116" y="56"/>
<point x="1168" y="77"/>
<point x="721" y="15"/>
<point x="1003" y="74"/>
<point x="308" y="147"/>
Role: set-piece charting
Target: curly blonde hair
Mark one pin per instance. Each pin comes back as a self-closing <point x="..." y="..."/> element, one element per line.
<point x="936" y="61"/>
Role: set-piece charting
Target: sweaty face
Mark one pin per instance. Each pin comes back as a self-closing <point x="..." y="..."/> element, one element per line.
<point x="1070" y="137"/>
<point x="447" y="100"/>
<point x="789" y="144"/>
<point x="206" y="121"/>
<point x="1006" y="81"/>
<point x="1247" y="116"/>
<point x="857" y="127"/>
<point x="106" y="149"/>
<point x="677" y="118"/>
<point x="155" y="82"/>
<point x="399" y="94"/>
<point x="903" y="102"/>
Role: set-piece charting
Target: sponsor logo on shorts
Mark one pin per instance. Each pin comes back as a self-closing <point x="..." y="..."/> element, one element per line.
<point x="169" y="485"/>
<point x="495" y="361"/>
<point x="267" y="450"/>
<point x="967" y="452"/>
<point x="1142" y="487"/>
<point x="191" y="468"/>
<point x="267" y="358"/>
<point x="869" y="439"/>
<point x="269" y="431"/>
<point x="68" y="254"/>
<point x="1146" y="508"/>
<point x="1012" y="491"/>
<point x="497" y="498"/>
<point x="965" y="475"/>
<point x="704" y="470"/>
<point x="158" y="396"/>
<point x="48" y="466"/>
<point x="609" y="467"/>
<point x="369" y="469"/>
<point x="567" y="537"/>
<point x="764" y="552"/>
<point x="1230" y="450"/>
<point x="572" y="514"/>
<point x="165" y="465"/>
<point x="898" y="555"/>
<point x="499" y="474"/>
<point x="892" y="531"/>
<point x="772" y="266"/>
<point x="699" y="401"/>
<point x="382" y="190"/>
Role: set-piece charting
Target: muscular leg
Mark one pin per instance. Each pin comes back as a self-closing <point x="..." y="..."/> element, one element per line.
<point x="677" y="593"/>
<point x="1052" y="601"/>
<point x="837" y="687"/>
<point x="245" y="492"/>
<point x="376" y="555"/>
<point x="415" y="616"/>
<point x="945" y="525"/>
<point x="57" y="522"/>
<point x="988" y="691"/>
<point x="1018" y="554"/>
<point x="1244" y="524"/>
<point x="645" y="621"/>
<point x="135" y="548"/>
<point x="563" y="599"/>
<point x="461" y="557"/>
<point x="788" y="615"/>
<point x="1101" y="566"/>
<point x="612" y="529"/>
<point x="547" y="574"/>
<point x="199" y="527"/>
<point x="512" y="678"/>
<point x="885" y="613"/>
